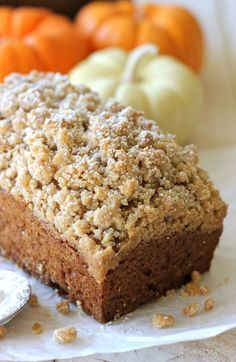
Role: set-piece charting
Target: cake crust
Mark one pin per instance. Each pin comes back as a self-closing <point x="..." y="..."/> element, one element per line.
<point x="148" y="272"/>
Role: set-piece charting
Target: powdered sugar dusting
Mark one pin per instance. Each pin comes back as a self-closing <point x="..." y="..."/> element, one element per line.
<point x="14" y="293"/>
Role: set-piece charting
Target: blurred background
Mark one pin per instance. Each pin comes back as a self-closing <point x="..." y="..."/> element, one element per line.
<point x="217" y="125"/>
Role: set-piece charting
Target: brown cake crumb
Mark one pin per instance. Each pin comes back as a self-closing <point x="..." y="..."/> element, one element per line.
<point x="33" y="300"/>
<point x="163" y="321"/>
<point x="37" y="328"/>
<point x="191" y="309"/>
<point x="63" y="307"/>
<point x="209" y="304"/>
<point x="196" y="277"/>
<point x="3" y="331"/>
<point x="65" y="335"/>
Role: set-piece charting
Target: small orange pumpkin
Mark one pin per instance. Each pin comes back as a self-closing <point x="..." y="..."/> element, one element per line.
<point x="36" y="38"/>
<point x="122" y="24"/>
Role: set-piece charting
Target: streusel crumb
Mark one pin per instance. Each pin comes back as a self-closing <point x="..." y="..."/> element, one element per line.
<point x="209" y="304"/>
<point x="33" y="300"/>
<point x="3" y="331"/>
<point x="63" y="307"/>
<point x="192" y="289"/>
<point x="65" y="335"/>
<point x="102" y="175"/>
<point x="204" y="290"/>
<point x="37" y="328"/>
<point x="196" y="277"/>
<point x="191" y="309"/>
<point x="163" y="321"/>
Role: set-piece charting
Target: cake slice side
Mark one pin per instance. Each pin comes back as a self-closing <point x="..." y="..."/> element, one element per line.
<point x="152" y="268"/>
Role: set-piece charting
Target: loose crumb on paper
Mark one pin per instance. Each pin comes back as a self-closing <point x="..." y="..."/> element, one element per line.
<point x="3" y="332"/>
<point x="196" y="277"/>
<point x="65" y="335"/>
<point x="37" y="328"/>
<point x="33" y="300"/>
<point x="163" y="321"/>
<point x="192" y="289"/>
<point x="63" y="307"/>
<point x="191" y="309"/>
<point x="204" y="290"/>
<point x="209" y="304"/>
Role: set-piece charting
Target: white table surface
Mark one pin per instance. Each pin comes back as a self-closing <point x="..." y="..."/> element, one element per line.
<point x="216" y="128"/>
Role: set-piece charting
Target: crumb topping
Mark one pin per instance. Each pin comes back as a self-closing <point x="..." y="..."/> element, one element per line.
<point x="33" y="300"/>
<point x="195" y="287"/>
<point x="65" y="335"/>
<point x="191" y="309"/>
<point x="192" y="289"/>
<point x="63" y="307"/>
<point x="103" y="175"/>
<point x="196" y="277"/>
<point x="209" y="304"/>
<point x="163" y="321"/>
<point x="3" y="331"/>
<point x="204" y="290"/>
<point x="37" y="328"/>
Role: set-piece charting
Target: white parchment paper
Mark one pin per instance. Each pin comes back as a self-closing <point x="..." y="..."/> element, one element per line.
<point x="135" y="330"/>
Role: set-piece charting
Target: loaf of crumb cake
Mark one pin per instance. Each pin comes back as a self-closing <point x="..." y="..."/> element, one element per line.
<point x="95" y="200"/>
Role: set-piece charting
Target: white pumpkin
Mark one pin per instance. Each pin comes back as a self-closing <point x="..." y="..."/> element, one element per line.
<point x="165" y="89"/>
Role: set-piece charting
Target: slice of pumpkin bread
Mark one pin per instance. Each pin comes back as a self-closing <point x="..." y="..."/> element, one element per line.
<point x="96" y="200"/>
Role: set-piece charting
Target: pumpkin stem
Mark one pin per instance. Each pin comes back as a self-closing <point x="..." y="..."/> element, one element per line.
<point x="135" y="56"/>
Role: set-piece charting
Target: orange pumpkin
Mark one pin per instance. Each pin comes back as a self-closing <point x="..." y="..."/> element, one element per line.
<point x="122" y="24"/>
<point x="36" y="38"/>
